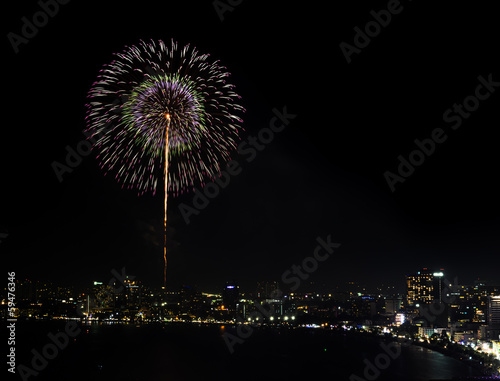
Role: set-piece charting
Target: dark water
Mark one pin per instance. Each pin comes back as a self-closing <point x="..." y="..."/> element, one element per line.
<point x="179" y="352"/>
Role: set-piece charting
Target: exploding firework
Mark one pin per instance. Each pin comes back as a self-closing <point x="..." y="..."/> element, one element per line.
<point x="127" y="112"/>
<point x="160" y="115"/>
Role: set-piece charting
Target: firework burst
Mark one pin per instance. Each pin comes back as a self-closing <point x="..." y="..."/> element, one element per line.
<point x="160" y="115"/>
<point x="127" y="111"/>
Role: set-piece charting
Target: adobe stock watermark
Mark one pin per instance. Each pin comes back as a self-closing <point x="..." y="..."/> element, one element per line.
<point x="244" y="330"/>
<point x="248" y="149"/>
<point x="60" y="340"/>
<point x="372" y="29"/>
<point x="57" y="342"/>
<point x="309" y="265"/>
<point x="74" y="156"/>
<point x="373" y="369"/>
<point x="454" y="116"/>
<point x="29" y="29"/>
<point x="223" y="6"/>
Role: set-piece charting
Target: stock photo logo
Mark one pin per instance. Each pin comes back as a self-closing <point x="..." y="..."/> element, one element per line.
<point x="32" y="25"/>
<point x="60" y="340"/>
<point x="224" y="6"/>
<point x="379" y="20"/>
<point x="272" y="310"/>
<point x="454" y="117"/>
<point x="248" y="149"/>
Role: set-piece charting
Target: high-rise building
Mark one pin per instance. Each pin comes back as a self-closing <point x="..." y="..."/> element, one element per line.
<point x="26" y="290"/>
<point x="400" y="318"/>
<point x="424" y="287"/>
<point x="267" y="289"/>
<point x="419" y="287"/>
<point x="132" y="292"/>
<point x="392" y="305"/>
<point x="438" y="286"/>
<point x="230" y="295"/>
<point x="494" y="311"/>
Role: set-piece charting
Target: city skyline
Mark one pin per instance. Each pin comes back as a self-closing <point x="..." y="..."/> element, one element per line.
<point x="430" y="303"/>
<point x="347" y="227"/>
<point x="461" y="321"/>
<point x="306" y="286"/>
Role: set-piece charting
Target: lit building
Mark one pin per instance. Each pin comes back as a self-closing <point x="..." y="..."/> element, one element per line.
<point x="132" y="292"/>
<point x="438" y="287"/>
<point x="400" y="319"/>
<point x="230" y="295"/>
<point x="103" y="297"/>
<point x="494" y="311"/>
<point x="426" y="331"/>
<point x="420" y="287"/>
<point x="496" y="349"/>
<point x="392" y="305"/>
<point x="26" y="290"/>
<point x="463" y="336"/>
<point x="190" y="300"/>
<point x="267" y="289"/>
<point x="491" y="331"/>
<point x="424" y="287"/>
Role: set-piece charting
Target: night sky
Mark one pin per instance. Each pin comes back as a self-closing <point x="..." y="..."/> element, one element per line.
<point x="322" y="175"/>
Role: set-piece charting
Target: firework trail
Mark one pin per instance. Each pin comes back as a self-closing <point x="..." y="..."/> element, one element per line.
<point x="156" y="106"/>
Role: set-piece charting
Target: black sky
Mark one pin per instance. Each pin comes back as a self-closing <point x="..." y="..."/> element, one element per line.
<point x="322" y="175"/>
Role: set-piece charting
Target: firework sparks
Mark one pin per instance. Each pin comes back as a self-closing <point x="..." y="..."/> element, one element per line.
<point x="179" y="114"/>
